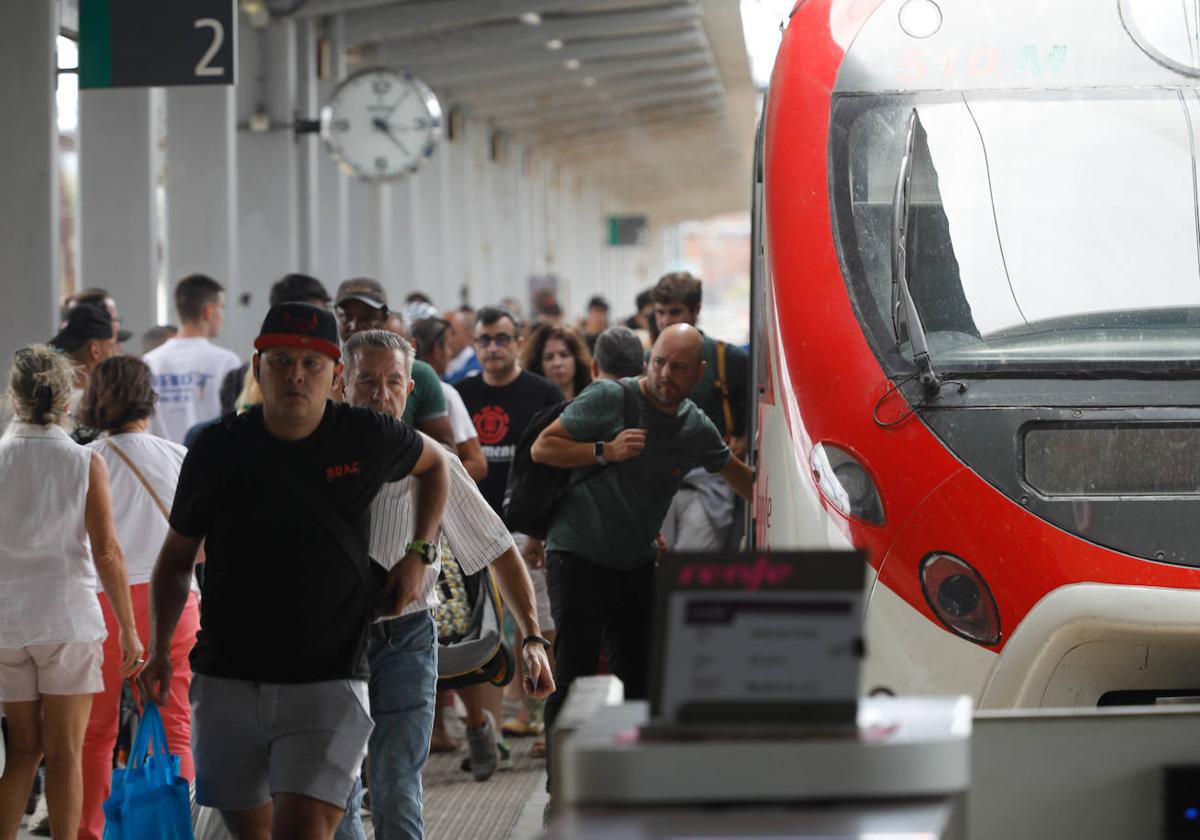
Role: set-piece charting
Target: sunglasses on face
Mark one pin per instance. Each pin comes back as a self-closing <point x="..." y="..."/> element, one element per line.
<point x="500" y="340"/>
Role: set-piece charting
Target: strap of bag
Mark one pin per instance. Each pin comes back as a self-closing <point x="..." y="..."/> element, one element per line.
<point x="356" y="553"/>
<point x="166" y="512"/>
<point x="722" y="383"/>
<point x="630" y="413"/>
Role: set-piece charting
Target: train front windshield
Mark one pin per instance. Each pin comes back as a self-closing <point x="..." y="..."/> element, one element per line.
<point x="1048" y="231"/>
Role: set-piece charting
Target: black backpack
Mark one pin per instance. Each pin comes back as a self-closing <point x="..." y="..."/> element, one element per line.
<point x="534" y="490"/>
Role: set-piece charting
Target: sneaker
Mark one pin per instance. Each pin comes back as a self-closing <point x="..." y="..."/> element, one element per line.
<point x="484" y="754"/>
<point x="39" y="821"/>
<point x="514" y="727"/>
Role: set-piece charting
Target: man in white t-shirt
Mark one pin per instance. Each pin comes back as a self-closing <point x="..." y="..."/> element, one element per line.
<point x="188" y="369"/>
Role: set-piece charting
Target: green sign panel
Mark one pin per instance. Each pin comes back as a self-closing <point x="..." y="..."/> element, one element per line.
<point x="156" y="43"/>
<point x="626" y="230"/>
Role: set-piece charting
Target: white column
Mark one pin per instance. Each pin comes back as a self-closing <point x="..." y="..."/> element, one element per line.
<point x="333" y="249"/>
<point x="308" y="149"/>
<point x="29" y="265"/>
<point x="267" y="194"/>
<point x="201" y="186"/>
<point x="120" y="233"/>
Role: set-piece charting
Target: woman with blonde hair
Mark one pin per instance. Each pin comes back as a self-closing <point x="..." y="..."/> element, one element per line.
<point x="144" y="470"/>
<point x="56" y="536"/>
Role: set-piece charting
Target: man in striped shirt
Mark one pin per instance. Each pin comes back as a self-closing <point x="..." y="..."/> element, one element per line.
<point x="403" y="649"/>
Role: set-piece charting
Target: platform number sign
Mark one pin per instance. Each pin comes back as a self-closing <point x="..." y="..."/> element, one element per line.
<point x="156" y="43"/>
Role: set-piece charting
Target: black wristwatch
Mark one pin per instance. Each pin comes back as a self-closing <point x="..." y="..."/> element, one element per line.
<point x="600" y="453"/>
<point x="546" y="643"/>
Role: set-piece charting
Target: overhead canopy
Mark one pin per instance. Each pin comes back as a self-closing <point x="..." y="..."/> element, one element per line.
<point x="651" y="99"/>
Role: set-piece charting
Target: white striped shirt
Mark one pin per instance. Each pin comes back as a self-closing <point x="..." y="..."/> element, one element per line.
<point x="477" y="536"/>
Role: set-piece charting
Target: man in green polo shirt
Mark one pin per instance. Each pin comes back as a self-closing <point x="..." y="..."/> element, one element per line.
<point x="601" y="545"/>
<point x="703" y="516"/>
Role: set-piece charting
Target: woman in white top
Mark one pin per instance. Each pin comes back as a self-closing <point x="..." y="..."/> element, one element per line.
<point x="119" y="402"/>
<point x="56" y="535"/>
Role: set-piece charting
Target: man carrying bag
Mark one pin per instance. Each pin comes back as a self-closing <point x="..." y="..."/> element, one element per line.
<point x="280" y="497"/>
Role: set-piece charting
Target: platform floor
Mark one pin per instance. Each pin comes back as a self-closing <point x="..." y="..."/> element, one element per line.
<point x="506" y="807"/>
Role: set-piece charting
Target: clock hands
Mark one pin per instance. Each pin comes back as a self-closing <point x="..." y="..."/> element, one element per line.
<point x="382" y="125"/>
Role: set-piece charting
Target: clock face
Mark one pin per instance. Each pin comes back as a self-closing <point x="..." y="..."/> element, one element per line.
<point x="380" y="124"/>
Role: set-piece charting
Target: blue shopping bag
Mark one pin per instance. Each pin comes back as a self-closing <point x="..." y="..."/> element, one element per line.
<point x="149" y="798"/>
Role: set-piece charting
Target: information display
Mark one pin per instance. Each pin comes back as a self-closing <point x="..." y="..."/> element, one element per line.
<point x="758" y="640"/>
<point x="156" y="43"/>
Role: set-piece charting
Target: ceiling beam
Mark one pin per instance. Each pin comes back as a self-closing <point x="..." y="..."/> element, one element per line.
<point x="390" y="24"/>
<point x="434" y="15"/>
<point x="546" y="61"/>
<point x="619" y="112"/>
<point x="540" y="82"/>
<point x="649" y="116"/>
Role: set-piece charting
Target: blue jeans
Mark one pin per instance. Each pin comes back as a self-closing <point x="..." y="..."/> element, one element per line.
<point x="403" y="689"/>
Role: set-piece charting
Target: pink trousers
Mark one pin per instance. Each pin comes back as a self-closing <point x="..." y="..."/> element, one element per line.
<point x="101" y="736"/>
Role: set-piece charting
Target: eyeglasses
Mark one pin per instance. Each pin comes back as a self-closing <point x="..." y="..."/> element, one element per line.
<point x="500" y="340"/>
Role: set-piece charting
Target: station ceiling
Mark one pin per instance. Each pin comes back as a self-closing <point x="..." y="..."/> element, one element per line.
<point x="650" y="99"/>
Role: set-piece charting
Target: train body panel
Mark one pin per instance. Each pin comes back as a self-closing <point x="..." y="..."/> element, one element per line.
<point x="937" y="488"/>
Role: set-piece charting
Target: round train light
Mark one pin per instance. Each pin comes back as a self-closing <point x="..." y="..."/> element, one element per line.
<point x="920" y="18"/>
<point x="960" y="598"/>
<point x="846" y="484"/>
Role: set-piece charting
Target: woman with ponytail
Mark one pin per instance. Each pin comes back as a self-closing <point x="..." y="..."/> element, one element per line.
<point x="143" y="469"/>
<point x="57" y="536"/>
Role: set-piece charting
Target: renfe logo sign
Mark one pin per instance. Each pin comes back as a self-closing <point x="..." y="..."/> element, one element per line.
<point x="723" y="574"/>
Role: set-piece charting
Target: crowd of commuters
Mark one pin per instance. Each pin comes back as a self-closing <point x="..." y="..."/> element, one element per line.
<point x="315" y="487"/>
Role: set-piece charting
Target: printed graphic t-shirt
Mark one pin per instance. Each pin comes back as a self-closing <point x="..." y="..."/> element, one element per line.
<point x="500" y="416"/>
<point x="188" y="373"/>
<point x="613" y="518"/>
<point x="281" y="601"/>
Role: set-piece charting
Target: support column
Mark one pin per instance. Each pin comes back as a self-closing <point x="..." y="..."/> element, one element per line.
<point x="333" y="253"/>
<point x="201" y="176"/>
<point x="267" y="194"/>
<point x="29" y="266"/>
<point x="308" y="148"/>
<point x="119" y="230"/>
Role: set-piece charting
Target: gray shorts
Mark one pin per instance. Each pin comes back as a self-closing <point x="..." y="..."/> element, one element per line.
<point x="254" y="740"/>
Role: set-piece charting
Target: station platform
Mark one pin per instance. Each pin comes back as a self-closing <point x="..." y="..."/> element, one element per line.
<point x="507" y="806"/>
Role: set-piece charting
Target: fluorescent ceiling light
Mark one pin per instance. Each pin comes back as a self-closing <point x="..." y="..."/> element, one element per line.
<point x="571" y="64"/>
<point x="530" y="18"/>
<point x="554" y="44"/>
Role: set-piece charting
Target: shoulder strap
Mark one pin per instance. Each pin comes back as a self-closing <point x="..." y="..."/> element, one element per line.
<point x="356" y="553"/>
<point x="133" y="467"/>
<point x="722" y="383"/>
<point x="630" y="412"/>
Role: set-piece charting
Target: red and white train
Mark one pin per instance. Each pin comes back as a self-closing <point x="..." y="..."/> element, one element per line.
<point x="977" y="337"/>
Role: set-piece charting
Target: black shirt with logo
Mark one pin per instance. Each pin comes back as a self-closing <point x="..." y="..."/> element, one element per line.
<point x="500" y="416"/>
<point x="281" y="602"/>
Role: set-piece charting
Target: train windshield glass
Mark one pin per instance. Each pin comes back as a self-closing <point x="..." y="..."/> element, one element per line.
<point x="1046" y="230"/>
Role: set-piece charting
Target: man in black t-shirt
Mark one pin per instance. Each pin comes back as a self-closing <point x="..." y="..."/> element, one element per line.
<point x="280" y="496"/>
<point x="504" y="398"/>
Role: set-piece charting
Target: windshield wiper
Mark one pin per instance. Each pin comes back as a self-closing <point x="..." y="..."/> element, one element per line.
<point x="904" y="309"/>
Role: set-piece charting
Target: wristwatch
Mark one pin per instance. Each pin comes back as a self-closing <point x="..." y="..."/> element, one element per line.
<point x="546" y="643"/>
<point x="428" y="549"/>
<point x="600" y="453"/>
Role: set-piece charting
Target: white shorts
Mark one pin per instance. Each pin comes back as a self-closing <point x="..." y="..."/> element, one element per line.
<point x="64" y="668"/>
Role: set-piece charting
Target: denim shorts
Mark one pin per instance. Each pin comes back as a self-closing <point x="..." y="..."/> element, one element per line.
<point x="254" y="740"/>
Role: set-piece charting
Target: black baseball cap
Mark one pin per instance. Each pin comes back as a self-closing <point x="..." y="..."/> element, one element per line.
<point x="300" y="325"/>
<point x="82" y="324"/>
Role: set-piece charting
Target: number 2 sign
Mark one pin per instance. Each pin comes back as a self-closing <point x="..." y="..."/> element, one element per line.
<point x="156" y="43"/>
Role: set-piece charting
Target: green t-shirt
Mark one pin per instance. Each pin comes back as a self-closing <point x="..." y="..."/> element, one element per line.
<point x="426" y="402"/>
<point x="614" y="518"/>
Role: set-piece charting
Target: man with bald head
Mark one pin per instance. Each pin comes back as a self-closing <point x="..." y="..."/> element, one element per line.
<point x="601" y="546"/>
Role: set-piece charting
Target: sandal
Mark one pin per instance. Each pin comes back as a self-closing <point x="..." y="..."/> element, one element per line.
<point x="517" y="728"/>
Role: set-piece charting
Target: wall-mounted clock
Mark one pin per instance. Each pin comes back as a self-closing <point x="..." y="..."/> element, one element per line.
<point x="380" y="124"/>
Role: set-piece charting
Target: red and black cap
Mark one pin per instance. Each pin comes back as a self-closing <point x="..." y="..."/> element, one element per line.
<point x="81" y="324"/>
<point x="300" y="325"/>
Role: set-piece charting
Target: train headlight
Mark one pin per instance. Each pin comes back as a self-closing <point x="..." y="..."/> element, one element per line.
<point x="960" y="598"/>
<point x="846" y="483"/>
